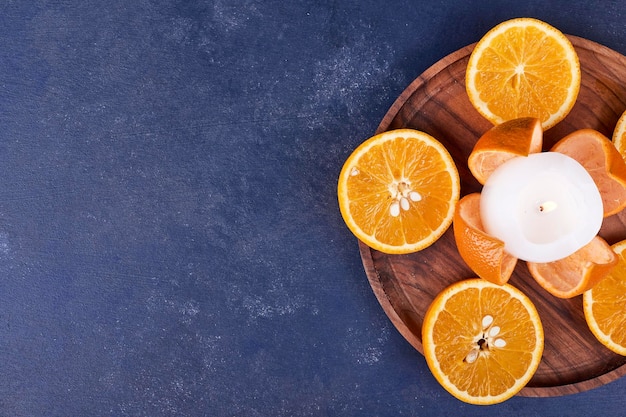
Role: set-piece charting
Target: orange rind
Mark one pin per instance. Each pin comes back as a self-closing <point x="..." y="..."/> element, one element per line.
<point x="597" y="154"/>
<point x="484" y="254"/>
<point x="576" y="273"/>
<point x="517" y="137"/>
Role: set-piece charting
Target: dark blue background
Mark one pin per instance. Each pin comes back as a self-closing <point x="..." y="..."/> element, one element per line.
<point x="170" y="241"/>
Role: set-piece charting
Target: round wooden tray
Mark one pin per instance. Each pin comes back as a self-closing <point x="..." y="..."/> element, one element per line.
<point x="436" y="103"/>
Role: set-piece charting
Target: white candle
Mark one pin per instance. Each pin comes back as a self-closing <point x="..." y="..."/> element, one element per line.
<point x="544" y="207"/>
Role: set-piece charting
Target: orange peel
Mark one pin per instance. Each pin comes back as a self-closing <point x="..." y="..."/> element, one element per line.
<point x="576" y="273"/>
<point x="597" y="154"/>
<point x="517" y="137"/>
<point x="484" y="254"/>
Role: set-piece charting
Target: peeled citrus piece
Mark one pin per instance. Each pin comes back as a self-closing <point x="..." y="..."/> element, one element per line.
<point x="576" y="273"/>
<point x="597" y="154"/>
<point x="482" y="342"/>
<point x="523" y="68"/>
<point x="397" y="191"/>
<point x="483" y="253"/>
<point x="605" y="305"/>
<point x="517" y="137"/>
<point x="619" y="135"/>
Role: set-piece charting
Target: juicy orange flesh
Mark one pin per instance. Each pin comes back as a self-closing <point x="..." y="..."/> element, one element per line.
<point x="389" y="165"/>
<point x="592" y="150"/>
<point x="457" y="329"/>
<point x="545" y="67"/>
<point x="483" y="253"/>
<point x="610" y="312"/>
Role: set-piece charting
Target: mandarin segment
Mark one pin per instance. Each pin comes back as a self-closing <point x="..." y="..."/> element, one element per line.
<point x="483" y="253"/>
<point x="523" y="68"/>
<point x="605" y="305"/>
<point x="397" y="191"/>
<point x="597" y="154"/>
<point x="482" y="342"/>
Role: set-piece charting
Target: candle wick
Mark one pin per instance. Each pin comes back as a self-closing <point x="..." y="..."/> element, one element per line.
<point x="547" y="206"/>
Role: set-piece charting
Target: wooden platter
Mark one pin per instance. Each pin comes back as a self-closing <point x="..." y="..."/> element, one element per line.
<point x="436" y="103"/>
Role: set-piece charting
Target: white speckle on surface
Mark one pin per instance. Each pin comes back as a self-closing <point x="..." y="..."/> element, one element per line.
<point x="349" y="74"/>
<point x="366" y="351"/>
<point x="258" y="307"/>
<point x="190" y="308"/>
<point x="369" y="356"/>
<point x="5" y="248"/>
<point x="231" y="16"/>
<point x="186" y="311"/>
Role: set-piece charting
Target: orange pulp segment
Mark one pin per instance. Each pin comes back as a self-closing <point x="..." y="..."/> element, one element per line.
<point x="397" y="191"/>
<point x="482" y="342"/>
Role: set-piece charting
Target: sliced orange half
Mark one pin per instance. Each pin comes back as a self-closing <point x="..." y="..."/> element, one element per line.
<point x="605" y="305"/>
<point x="619" y="135"/>
<point x="523" y="68"/>
<point x="483" y="342"/>
<point x="517" y="137"/>
<point x="397" y="191"/>
<point x="577" y="273"/>
<point x="483" y="253"/>
<point x="597" y="154"/>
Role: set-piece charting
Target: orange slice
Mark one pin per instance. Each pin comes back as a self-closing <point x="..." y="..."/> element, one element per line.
<point x="597" y="154"/>
<point x="619" y="135"/>
<point x="397" y="191"/>
<point x="482" y="342"/>
<point x="523" y="68"/>
<point x="576" y="273"/>
<point x="605" y="305"/>
<point x="484" y="254"/>
<point x="517" y="137"/>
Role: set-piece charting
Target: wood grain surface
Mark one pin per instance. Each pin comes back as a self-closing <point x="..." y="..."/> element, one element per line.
<point x="436" y="103"/>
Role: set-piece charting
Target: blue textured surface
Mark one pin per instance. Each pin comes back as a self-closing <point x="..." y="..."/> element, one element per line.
<point x="170" y="241"/>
